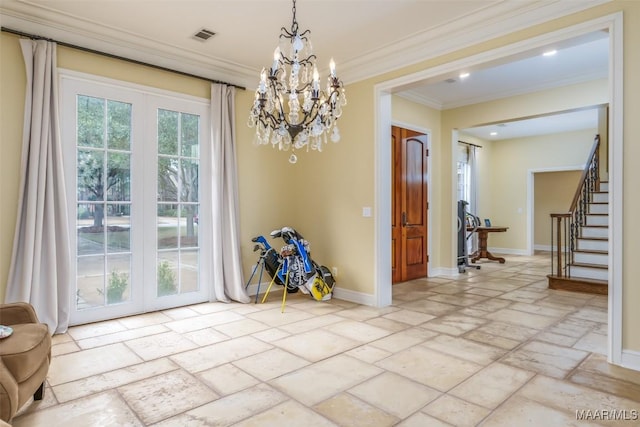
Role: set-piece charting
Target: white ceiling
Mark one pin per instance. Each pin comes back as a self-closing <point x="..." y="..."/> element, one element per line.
<point x="576" y="60"/>
<point x="544" y="125"/>
<point x="365" y="37"/>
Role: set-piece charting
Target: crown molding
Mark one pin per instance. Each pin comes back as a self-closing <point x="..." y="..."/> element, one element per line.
<point x="73" y="30"/>
<point x="492" y="22"/>
<point x="419" y="98"/>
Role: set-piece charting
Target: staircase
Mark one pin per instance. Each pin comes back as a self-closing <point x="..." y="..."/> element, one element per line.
<point x="581" y="260"/>
<point x="591" y="256"/>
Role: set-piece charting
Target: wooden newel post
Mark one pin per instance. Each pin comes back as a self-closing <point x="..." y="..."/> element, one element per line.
<point x="560" y="218"/>
<point x="559" y="240"/>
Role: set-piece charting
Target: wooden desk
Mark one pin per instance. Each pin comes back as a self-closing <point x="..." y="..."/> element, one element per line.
<point x="483" y="236"/>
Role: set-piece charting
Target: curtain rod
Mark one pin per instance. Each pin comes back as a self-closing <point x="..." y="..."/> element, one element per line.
<point x="468" y="143"/>
<point x="110" y="55"/>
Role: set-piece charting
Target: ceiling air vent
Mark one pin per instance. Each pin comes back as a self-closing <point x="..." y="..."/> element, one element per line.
<point x="450" y="80"/>
<point x="203" y="35"/>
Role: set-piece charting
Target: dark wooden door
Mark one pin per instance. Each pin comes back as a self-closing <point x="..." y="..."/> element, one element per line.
<point x="409" y="226"/>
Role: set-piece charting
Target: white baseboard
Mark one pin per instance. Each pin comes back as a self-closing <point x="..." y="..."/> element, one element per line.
<point x="444" y="271"/>
<point x="343" y="294"/>
<point x="370" y="300"/>
<point x="630" y="359"/>
<point x="508" y="251"/>
<point x="251" y="290"/>
<point x="354" y="296"/>
<point x="547" y="248"/>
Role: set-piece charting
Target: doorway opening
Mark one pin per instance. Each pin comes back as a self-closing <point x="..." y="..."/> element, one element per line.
<point x="444" y="220"/>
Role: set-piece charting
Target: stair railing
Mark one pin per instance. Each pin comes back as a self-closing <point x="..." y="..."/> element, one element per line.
<point x="566" y="227"/>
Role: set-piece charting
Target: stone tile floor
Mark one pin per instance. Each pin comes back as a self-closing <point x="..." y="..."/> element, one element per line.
<point x="491" y="347"/>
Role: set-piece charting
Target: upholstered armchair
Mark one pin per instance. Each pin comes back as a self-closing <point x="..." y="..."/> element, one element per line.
<point x="24" y="358"/>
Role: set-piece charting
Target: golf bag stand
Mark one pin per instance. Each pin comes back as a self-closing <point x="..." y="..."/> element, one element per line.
<point x="269" y="260"/>
<point x="259" y="266"/>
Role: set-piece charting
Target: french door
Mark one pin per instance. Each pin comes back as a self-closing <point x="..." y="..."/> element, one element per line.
<point x="135" y="159"/>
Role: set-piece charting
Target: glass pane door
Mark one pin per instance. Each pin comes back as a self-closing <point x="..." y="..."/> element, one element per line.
<point x="103" y="202"/>
<point x="133" y="166"/>
<point x="178" y="202"/>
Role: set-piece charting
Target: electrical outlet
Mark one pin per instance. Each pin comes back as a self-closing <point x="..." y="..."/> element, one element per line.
<point x="334" y="272"/>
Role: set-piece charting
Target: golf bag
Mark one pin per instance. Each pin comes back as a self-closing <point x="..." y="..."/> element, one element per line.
<point x="293" y="266"/>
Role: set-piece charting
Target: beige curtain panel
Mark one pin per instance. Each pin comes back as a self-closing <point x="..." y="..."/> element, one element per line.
<point x="228" y="282"/>
<point x="40" y="268"/>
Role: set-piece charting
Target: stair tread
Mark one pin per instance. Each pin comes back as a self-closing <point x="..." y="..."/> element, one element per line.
<point x="580" y="279"/>
<point x="574" y="284"/>
<point x="597" y="214"/>
<point x="591" y="251"/>
<point x="595" y="226"/>
<point x="600" y="239"/>
<point x="584" y="265"/>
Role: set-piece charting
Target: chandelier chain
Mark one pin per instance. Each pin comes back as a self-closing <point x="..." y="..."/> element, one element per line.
<point x="294" y="24"/>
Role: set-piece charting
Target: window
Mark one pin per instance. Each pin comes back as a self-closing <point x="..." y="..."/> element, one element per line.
<point x="464" y="173"/>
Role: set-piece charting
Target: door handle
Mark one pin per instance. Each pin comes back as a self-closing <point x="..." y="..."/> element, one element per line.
<point x="404" y="219"/>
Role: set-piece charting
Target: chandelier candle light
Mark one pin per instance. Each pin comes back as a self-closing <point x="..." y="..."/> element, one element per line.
<point x="290" y="110"/>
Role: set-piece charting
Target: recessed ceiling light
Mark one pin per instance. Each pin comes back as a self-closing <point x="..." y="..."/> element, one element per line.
<point x="550" y="52"/>
<point x="464" y="75"/>
<point x="493" y="133"/>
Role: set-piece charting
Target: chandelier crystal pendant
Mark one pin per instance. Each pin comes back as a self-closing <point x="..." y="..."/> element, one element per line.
<point x="291" y="110"/>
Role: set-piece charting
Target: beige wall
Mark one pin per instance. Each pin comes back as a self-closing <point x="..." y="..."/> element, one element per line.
<point x="12" y="84"/>
<point x="511" y="162"/>
<point x="603" y="131"/>
<point x="261" y="174"/>
<point x="98" y="65"/>
<point x="324" y="194"/>
<point x="410" y="113"/>
<point x="631" y="196"/>
<point x="553" y="192"/>
<point x="503" y="173"/>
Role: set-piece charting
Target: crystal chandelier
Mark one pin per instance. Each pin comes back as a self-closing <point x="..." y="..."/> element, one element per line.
<point x="291" y="110"/>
